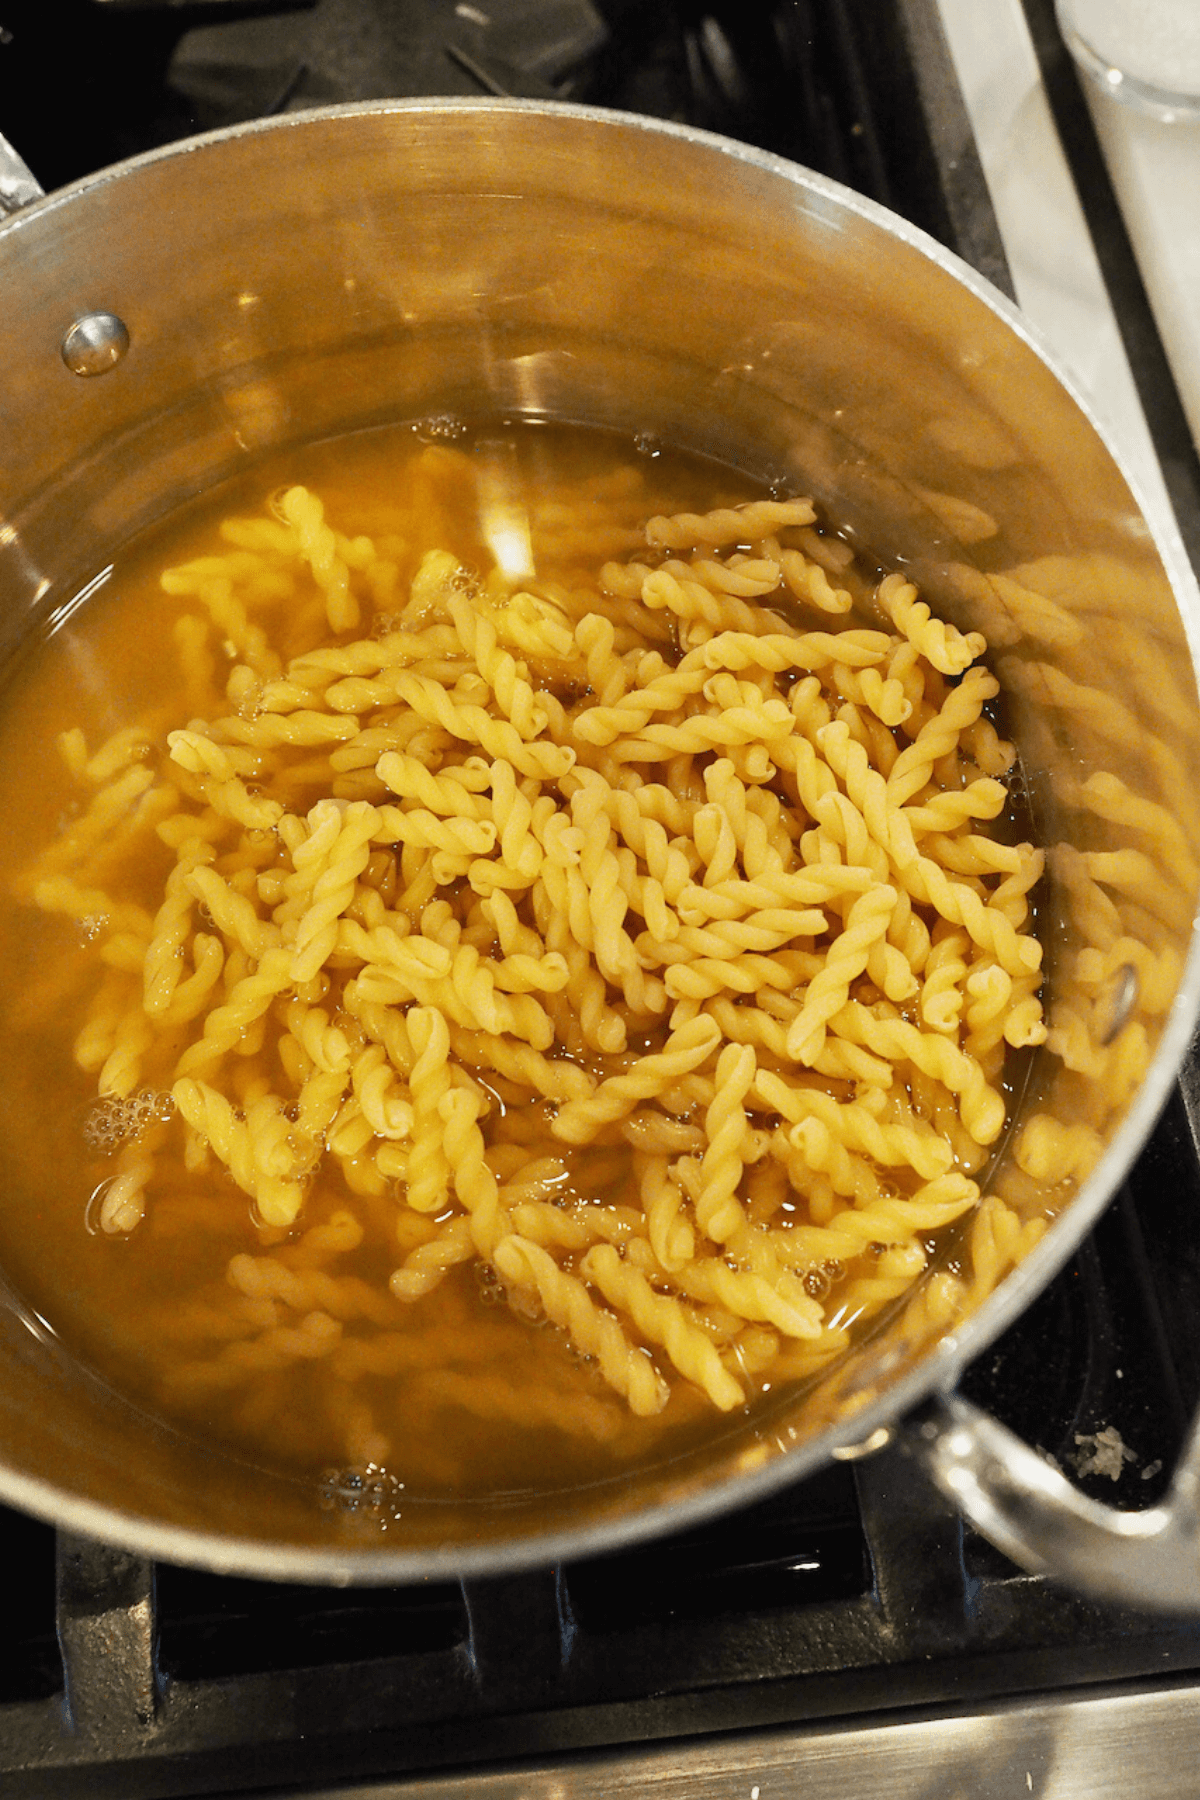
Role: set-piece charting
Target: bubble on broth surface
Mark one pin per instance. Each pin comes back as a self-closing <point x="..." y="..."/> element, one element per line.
<point x="440" y="428"/>
<point x="369" y="1489"/>
<point x="116" y="1119"/>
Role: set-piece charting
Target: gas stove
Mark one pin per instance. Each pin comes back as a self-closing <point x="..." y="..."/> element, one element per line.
<point x="850" y="1633"/>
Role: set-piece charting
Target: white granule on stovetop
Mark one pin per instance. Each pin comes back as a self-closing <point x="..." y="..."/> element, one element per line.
<point x="1102" y="1452"/>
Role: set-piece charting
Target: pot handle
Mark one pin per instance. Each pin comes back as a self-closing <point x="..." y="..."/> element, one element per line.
<point x="18" y="185"/>
<point x="1018" y="1500"/>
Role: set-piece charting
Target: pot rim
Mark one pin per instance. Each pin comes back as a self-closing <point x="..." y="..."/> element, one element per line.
<point x="941" y="1366"/>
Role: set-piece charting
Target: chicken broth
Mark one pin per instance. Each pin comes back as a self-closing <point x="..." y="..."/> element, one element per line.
<point x="469" y="1013"/>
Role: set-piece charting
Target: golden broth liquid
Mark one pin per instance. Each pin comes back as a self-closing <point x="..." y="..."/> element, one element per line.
<point x="453" y="1392"/>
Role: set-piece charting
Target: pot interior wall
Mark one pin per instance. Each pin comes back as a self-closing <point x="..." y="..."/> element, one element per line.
<point x="331" y="272"/>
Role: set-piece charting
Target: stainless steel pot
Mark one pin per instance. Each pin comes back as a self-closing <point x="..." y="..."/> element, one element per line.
<point x="166" y="320"/>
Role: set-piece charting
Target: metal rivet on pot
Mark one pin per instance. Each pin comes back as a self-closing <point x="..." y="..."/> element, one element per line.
<point x="1116" y="1003"/>
<point x="95" y="343"/>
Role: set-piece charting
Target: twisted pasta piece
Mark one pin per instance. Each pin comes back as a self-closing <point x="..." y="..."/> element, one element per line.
<point x="593" y="1332"/>
<point x="344" y="860"/>
<point x="428" y="1166"/>
<point x="689" y="1046"/>
<point x="661" y="1318"/>
<point x="718" y="1213"/>
<point x="163" y="965"/>
<point x="981" y="1107"/>
<point x="474" y="725"/>
<point x="949" y="650"/>
<point x="318" y="546"/>
<point x="510" y="685"/>
<point x="250" y="998"/>
<point x="727" y="525"/>
<point x="808" y="580"/>
<point x="939" y="734"/>
<point x="866" y="923"/>
<point x="424" y="1268"/>
<point x="986" y="924"/>
<point x="255" y="1151"/>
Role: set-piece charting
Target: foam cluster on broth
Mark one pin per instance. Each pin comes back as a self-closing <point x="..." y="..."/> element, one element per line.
<point x="516" y="949"/>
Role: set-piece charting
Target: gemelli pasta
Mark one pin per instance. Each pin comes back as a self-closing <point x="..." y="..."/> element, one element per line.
<point x="646" y="938"/>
